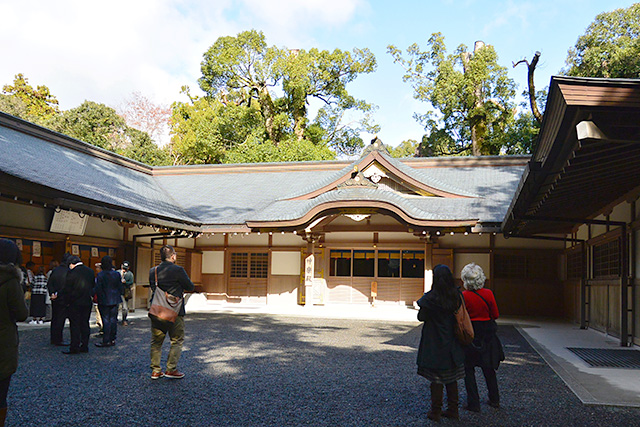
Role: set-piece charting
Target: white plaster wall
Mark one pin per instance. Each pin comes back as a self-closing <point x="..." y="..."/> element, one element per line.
<point x="25" y="216"/>
<point x="621" y="212"/>
<point x="216" y="240"/>
<point x="288" y="239"/>
<point x="397" y="237"/>
<point x="108" y="229"/>
<point x="252" y="239"/>
<point x="213" y="262"/>
<point x="285" y="263"/>
<point x="461" y="241"/>
<point x="134" y="231"/>
<point x="186" y="243"/>
<point x="514" y="242"/>
<point x="460" y="260"/>
<point x="583" y="233"/>
<point x="350" y="237"/>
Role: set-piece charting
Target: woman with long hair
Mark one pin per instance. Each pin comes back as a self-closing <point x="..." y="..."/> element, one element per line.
<point x="440" y="355"/>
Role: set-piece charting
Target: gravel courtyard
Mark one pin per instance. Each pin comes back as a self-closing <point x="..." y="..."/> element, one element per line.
<point x="273" y="370"/>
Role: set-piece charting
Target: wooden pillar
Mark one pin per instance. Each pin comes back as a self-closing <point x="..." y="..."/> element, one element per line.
<point x="624" y="288"/>
<point x="428" y="265"/>
<point x="632" y="269"/>
<point x="583" y="286"/>
<point x="309" y="272"/>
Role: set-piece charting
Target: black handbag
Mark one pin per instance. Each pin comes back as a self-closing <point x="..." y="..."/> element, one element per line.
<point x="493" y="344"/>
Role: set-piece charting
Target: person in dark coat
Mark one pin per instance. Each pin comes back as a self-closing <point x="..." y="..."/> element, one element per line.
<point x="486" y="350"/>
<point x="77" y="293"/>
<point x="440" y="355"/>
<point x="173" y="279"/>
<point x="55" y="283"/>
<point x="108" y="290"/>
<point x="12" y="308"/>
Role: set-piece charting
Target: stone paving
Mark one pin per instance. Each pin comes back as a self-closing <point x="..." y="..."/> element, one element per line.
<point x="278" y="370"/>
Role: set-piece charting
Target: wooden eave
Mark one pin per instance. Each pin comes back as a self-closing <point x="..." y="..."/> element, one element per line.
<point x="356" y="205"/>
<point x="19" y="190"/>
<point x="586" y="160"/>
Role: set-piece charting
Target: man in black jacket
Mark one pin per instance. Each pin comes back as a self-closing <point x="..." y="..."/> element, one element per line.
<point x="56" y="282"/>
<point x="77" y="292"/>
<point x="173" y="279"/>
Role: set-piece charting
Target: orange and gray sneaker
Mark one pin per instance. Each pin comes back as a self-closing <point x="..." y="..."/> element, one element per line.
<point x="176" y="375"/>
<point x="156" y="375"/>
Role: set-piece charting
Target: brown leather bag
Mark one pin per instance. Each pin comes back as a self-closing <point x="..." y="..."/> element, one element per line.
<point x="464" y="328"/>
<point x="164" y="306"/>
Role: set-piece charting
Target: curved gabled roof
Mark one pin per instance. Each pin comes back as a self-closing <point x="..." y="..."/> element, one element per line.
<point x="61" y="168"/>
<point x="418" y="179"/>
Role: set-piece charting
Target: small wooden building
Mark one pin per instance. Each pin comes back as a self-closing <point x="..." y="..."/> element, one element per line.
<point x="358" y="232"/>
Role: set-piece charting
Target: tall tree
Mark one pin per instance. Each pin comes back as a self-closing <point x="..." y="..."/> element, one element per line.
<point x="471" y="95"/>
<point x="610" y="47"/>
<point x="407" y="148"/>
<point x="23" y="100"/>
<point x="205" y="129"/>
<point x="280" y="83"/>
<point x="100" y="125"/>
<point x="141" y="113"/>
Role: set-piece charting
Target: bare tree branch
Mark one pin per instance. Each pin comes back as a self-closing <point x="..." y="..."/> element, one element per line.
<point x="532" y="90"/>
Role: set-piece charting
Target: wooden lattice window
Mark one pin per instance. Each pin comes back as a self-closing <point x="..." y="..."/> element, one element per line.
<point x="181" y="258"/>
<point x="606" y="259"/>
<point x="510" y="266"/>
<point x="259" y="265"/>
<point x="239" y="264"/>
<point x="574" y="264"/>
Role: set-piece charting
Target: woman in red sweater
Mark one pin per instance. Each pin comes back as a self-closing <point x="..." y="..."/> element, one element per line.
<point x="486" y="349"/>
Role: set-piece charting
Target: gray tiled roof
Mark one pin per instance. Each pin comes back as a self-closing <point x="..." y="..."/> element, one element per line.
<point x="72" y="171"/>
<point x="226" y="195"/>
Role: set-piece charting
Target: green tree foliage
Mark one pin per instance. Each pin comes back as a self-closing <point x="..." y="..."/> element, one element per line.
<point x="205" y="129"/>
<point x="243" y="73"/>
<point x="100" y="125"/>
<point x="610" y="47"/>
<point x="22" y="100"/>
<point x="93" y="123"/>
<point x="471" y="96"/>
<point x="407" y="148"/>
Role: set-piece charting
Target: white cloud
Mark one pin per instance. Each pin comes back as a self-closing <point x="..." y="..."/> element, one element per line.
<point x="105" y="51"/>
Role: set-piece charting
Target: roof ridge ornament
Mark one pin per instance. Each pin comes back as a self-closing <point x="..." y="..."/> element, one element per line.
<point x="357" y="179"/>
<point x="376" y="145"/>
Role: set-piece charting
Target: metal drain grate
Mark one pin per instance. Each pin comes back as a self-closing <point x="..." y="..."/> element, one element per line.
<point x="608" y="358"/>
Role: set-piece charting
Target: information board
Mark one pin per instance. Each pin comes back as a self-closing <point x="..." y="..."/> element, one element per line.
<point x="67" y="222"/>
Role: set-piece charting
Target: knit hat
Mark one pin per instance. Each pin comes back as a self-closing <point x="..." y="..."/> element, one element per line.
<point x="74" y="259"/>
<point x="9" y="252"/>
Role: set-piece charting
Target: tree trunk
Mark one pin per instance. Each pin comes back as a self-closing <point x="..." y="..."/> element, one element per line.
<point x="268" y="113"/>
<point x="299" y="114"/>
<point x="532" y="89"/>
<point x="477" y="125"/>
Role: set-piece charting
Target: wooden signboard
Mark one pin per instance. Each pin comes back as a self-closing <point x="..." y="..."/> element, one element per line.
<point x="66" y="222"/>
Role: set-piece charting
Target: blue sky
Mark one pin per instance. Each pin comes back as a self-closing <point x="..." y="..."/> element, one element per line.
<point x="104" y="51"/>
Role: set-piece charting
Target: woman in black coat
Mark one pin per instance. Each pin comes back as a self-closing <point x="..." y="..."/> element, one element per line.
<point x="440" y="355"/>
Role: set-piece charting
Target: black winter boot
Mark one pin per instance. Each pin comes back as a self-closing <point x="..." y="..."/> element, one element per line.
<point x="452" y="402"/>
<point x="436" y="402"/>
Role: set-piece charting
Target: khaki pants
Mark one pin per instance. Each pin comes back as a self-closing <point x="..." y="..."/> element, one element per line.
<point x="176" y="334"/>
